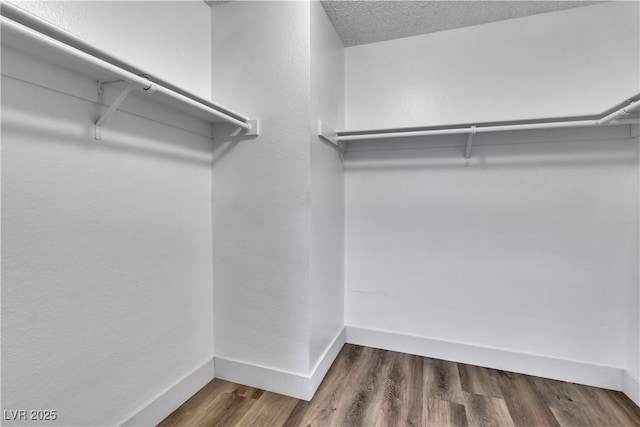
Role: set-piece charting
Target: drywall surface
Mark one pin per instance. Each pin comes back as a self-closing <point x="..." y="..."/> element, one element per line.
<point x="106" y="252"/>
<point x="633" y="340"/>
<point x="573" y="62"/>
<point x="168" y="39"/>
<point x="261" y="201"/>
<point x="327" y="187"/>
<point x="634" y="337"/>
<point x="532" y="248"/>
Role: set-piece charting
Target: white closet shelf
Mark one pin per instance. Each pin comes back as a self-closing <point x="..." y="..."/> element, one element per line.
<point x="625" y="113"/>
<point x="28" y="33"/>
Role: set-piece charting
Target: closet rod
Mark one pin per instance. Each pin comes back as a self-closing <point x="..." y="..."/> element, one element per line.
<point x="9" y="12"/>
<point x="611" y="119"/>
<point x="29" y="20"/>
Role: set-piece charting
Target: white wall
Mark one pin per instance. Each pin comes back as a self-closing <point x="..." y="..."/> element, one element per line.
<point x="632" y="376"/>
<point x="327" y="187"/>
<point x="168" y="39"/>
<point x="573" y="62"/>
<point x="106" y="251"/>
<point x="531" y="249"/>
<point x="278" y="199"/>
<point x="261" y="198"/>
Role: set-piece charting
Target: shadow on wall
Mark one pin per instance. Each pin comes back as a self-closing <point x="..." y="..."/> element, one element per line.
<point x="491" y="152"/>
<point x="225" y="138"/>
<point x="322" y="142"/>
<point x="124" y="133"/>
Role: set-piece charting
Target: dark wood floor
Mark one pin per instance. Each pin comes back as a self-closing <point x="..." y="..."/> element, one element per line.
<point x="370" y="387"/>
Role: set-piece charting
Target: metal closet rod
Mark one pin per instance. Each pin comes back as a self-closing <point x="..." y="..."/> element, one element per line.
<point x="30" y="26"/>
<point x="615" y="118"/>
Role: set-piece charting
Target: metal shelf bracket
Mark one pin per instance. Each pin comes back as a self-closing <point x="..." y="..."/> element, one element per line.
<point x="467" y="151"/>
<point x="112" y="108"/>
<point x="328" y="134"/>
<point x="101" y="84"/>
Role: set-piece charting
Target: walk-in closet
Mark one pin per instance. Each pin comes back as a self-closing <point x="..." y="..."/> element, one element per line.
<point x="320" y="213"/>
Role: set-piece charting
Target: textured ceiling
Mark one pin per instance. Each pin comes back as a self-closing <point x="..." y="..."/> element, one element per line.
<point x="362" y="22"/>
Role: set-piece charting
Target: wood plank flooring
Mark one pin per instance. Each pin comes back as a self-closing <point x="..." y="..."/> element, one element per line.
<point x="371" y="387"/>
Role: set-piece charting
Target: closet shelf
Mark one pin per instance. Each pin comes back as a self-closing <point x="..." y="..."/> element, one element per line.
<point x="625" y="113"/>
<point x="28" y="33"/>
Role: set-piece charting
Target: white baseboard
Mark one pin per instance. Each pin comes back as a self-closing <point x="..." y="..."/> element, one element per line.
<point x="276" y="380"/>
<point x="294" y="384"/>
<point x="524" y="363"/>
<point x="156" y="410"/>
<point x="631" y="386"/>
<point x="304" y="386"/>
<point x="325" y="361"/>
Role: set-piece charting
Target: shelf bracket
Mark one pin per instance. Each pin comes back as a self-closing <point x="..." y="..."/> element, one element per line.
<point x="467" y="151"/>
<point x="112" y="108"/>
<point x="101" y="84"/>
<point x="328" y="134"/>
